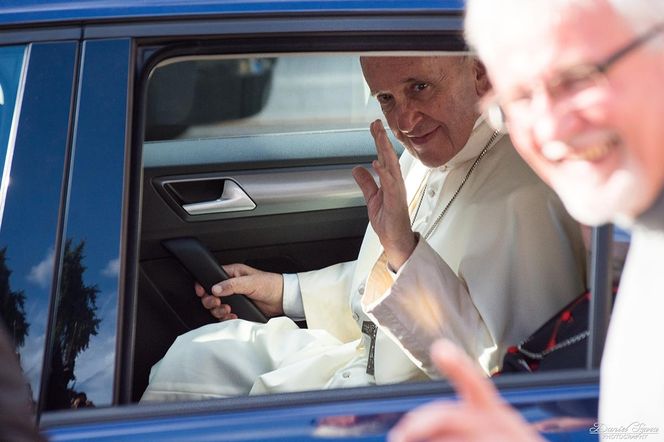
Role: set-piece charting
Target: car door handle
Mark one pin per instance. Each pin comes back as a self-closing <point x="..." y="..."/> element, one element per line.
<point x="232" y="199"/>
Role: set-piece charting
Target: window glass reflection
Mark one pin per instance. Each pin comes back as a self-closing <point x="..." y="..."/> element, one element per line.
<point x="29" y="222"/>
<point x="83" y="359"/>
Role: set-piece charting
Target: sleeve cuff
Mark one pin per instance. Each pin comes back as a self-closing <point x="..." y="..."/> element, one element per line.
<point x="292" y="299"/>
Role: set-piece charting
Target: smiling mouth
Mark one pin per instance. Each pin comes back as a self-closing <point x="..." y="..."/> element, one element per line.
<point x="422" y="139"/>
<point x="558" y="151"/>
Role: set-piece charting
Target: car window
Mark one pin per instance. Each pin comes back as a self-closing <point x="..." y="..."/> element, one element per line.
<point x="252" y="157"/>
<point x="85" y="320"/>
<point x="11" y="63"/>
<point x="29" y="225"/>
<point x="258" y="95"/>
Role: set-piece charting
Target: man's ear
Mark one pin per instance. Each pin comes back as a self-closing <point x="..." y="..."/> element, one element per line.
<point x="482" y="83"/>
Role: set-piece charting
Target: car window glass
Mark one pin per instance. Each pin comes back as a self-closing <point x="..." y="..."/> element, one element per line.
<point x="30" y="219"/>
<point x="262" y="95"/>
<point x="238" y="155"/>
<point x="11" y="62"/>
<point x="85" y="324"/>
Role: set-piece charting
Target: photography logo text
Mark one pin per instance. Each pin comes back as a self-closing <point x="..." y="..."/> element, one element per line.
<point x="632" y="431"/>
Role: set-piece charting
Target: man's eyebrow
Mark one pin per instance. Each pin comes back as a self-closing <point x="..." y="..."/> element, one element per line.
<point x="404" y="81"/>
<point x="441" y="77"/>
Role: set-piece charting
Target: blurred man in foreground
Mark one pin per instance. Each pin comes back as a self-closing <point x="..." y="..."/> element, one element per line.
<point x="579" y="85"/>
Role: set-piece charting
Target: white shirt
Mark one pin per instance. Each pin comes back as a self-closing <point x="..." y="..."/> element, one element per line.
<point x="632" y="372"/>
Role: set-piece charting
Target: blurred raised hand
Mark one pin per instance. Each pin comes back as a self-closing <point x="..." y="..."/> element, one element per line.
<point x="480" y="414"/>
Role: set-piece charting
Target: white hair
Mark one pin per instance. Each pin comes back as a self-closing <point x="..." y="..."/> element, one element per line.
<point x="486" y="18"/>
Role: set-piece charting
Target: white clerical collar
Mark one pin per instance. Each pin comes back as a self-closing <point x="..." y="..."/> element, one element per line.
<point x="479" y="136"/>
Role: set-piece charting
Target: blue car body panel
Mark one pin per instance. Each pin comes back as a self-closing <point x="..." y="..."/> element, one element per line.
<point x="33" y="11"/>
<point x="369" y="420"/>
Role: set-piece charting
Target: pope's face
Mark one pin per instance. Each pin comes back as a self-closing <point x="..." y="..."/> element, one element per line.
<point x="601" y="149"/>
<point x="430" y="103"/>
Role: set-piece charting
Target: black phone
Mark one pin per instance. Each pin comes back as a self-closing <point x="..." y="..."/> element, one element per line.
<point x="205" y="269"/>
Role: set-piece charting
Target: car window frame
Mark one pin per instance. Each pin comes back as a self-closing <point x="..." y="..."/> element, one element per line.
<point x="288" y="45"/>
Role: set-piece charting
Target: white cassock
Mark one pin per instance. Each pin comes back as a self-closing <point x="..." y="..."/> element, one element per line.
<point x="503" y="259"/>
<point x="632" y="385"/>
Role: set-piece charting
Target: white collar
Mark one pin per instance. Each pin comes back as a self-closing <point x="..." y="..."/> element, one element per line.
<point x="479" y="136"/>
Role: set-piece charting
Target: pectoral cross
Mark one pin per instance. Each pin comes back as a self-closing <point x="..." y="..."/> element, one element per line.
<point x="370" y="329"/>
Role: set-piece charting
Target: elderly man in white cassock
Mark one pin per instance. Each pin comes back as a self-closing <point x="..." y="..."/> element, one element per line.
<point x="465" y="242"/>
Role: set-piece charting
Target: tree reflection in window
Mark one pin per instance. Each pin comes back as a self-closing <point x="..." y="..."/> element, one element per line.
<point x="12" y="305"/>
<point x="76" y="322"/>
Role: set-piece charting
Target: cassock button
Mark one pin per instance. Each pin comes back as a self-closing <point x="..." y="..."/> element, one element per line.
<point x="346" y="374"/>
<point x="360" y="289"/>
<point x="356" y="316"/>
<point x="432" y="192"/>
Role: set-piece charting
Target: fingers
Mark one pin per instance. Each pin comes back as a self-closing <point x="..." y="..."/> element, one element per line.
<point x="236" y="270"/>
<point x="213" y="304"/>
<point x="479" y="415"/>
<point x="366" y="182"/>
<point x="216" y="308"/>
<point x="235" y="285"/>
<point x="210" y="302"/>
<point x="386" y="155"/>
<point x="387" y="164"/>
<point x="436" y="421"/>
<point x="223" y="313"/>
<point x="471" y="385"/>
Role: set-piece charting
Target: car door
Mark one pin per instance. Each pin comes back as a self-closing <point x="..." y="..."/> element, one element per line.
<point x="124" y="190"/>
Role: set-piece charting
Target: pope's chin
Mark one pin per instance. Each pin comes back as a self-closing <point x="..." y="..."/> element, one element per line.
<point x="434" y="153"/>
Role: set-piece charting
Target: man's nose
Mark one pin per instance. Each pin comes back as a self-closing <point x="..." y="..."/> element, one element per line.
<point x="408" y="117"/>
<point x="551" y="120"/>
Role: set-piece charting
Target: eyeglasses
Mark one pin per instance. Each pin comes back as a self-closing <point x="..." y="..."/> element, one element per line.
<point x="570" y="86"/>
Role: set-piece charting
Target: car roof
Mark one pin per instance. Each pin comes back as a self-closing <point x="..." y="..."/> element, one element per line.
<point x="18" y="12"/>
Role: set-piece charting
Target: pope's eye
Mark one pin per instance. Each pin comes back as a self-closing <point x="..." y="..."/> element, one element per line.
<point x="384" y="98"/>
<point x="420" y="86"/>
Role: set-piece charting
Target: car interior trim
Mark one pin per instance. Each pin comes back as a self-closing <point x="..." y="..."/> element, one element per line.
<point x="601" y="300"/>
<point x="272" y="191"/>
<point x="432" y="22"/>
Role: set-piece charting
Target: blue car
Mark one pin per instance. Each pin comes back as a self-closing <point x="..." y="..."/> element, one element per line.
<point x="231" y="124"/>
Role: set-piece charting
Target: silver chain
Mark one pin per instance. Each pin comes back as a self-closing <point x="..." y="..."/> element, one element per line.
<point x="562" y="344"/>
<point x="484" y="151"/>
